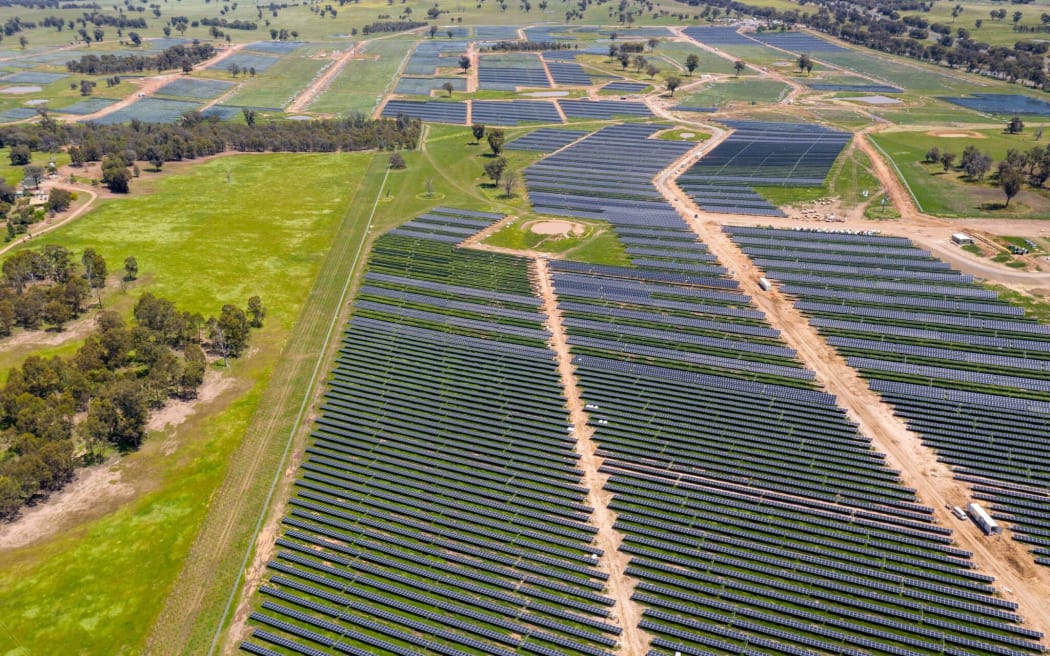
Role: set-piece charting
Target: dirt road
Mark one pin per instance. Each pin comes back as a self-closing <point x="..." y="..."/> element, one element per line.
<point x="626" y="613"/>
<point x="320" y="84"/>
<point x="1007" y="560"/>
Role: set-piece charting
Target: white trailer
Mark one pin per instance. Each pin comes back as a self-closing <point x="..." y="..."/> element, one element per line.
<point x="981" y="517"/>
<point x="764" y="284"/>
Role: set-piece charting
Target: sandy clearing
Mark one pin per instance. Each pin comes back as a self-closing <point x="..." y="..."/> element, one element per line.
<point x="176" y="412"/>
<point x="64" y="508"/>
<point x="556" y="228"/>
<point x="956" y="134"/>
<point x="626" y="613"/>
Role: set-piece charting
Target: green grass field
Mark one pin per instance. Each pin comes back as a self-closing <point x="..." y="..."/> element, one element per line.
<point x="719" y="94"/>
<point x="279" y="85"/>
<point x="949" y="194"/>
<point x="96" y="588"/>
<point x="596" y="243"/>
<point x="359" y="86"/>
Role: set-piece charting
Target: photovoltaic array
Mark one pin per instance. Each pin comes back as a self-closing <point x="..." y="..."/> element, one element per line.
<point x="608" y="176"/>
<point x="626" y="87"/>
<point x="546" y="140"/>
<point x="432" y="54"/>
<point x="439" y="509"/>
<point x="426" y="110"/>
<point x="1003" y="103"/>
<point x="968" y="372"/>
<point x="858" y="88"/>
<point x="507" y="73"/>
<point x="604" y="109"/>
<point x="568" y="73"/>
<point x="762" y="154"/>
<point x="513" y="112"/>
<point x="797" y="42"/>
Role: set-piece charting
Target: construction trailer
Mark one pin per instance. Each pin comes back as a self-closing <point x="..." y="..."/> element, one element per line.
<point x="981" y="517"/>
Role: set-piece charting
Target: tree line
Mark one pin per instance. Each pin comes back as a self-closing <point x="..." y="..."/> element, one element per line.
<point x="118" y="147"/>
<point x="58" y="413"/>
<point x="392" y="26"/>
<point x="180" y="56"/>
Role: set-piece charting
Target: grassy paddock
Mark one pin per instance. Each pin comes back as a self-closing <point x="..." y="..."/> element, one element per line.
<point x="950" y="194"/>
<point x="95" y="588"/>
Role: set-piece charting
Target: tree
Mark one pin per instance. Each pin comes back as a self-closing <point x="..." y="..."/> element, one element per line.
<point x="23" y="41"/>
<point x="496" y="139"/>
<point x="433" y="30"/>
<point x="86" y="87"/>
<point x="478" y="130"/>
<point x="135" y="39"/>
<point x="1015" y="126"/>
<point x="464" y="63"/>
<point x="494" y="169"/>
<point x="57" y="314"/>
<point x="510" y="181"/>
<point x="640" y="62"/>
<point x="804" y="63"/>
<point x="448" y="87"/>
<point x="933" y="154"/>
<point x="1017" y="17"/>
<point x="115" y="174"/>
<point x="653" y="43"/>
<point x="234" y="69"/>
<point x="739" y="67"/>
<point x="232" y="329"/>
<point x="131" y="268"/>
<point x="1010" y="179"/>
<point x="59" y="199"/>
<point x="946" y="160"/>
<point x="672" y="82"/>
<point x="249" y="116"/>
<point x="691" y="62"/>
<point x="397" y="161"/>
<point x="256" y="311"/>
<point x="94" y="271"/>
<point x="625" y="60"/>
<point x="978" y="23"/>
<point x="652" y="71"/>
<point x="20" y="155"/>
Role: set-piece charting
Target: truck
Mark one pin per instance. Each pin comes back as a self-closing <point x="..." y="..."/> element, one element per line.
<point x="764" y="284"/>
<point x="981" y="517"/>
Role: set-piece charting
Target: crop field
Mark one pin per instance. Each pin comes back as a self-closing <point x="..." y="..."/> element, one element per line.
<point x="967" y="370"/>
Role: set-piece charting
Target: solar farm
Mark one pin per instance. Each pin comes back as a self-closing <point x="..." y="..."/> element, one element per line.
<point x="682" y="361"/>
<point x="963" y="368"/>
<point x="765" y="154"/>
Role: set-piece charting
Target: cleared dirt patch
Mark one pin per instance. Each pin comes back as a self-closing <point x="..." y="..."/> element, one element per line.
<point x="90" y="487"/>
<point x="956" y="134"/>
<point x="20" y="90"/>
<point x="561" y="228"/>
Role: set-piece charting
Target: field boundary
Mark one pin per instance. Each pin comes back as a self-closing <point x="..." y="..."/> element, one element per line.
<point x="308" y="395"/>
<point x="195" y="594"/>
<point x="900" y="176"/>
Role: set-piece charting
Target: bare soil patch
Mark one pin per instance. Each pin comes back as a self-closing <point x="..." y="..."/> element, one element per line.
<point x="561" y="228"/>
<point x="21" y="90"/>
<point x="956" y="134"/>
<point x="177" y="412"/>
<point x="87" y="491"/>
